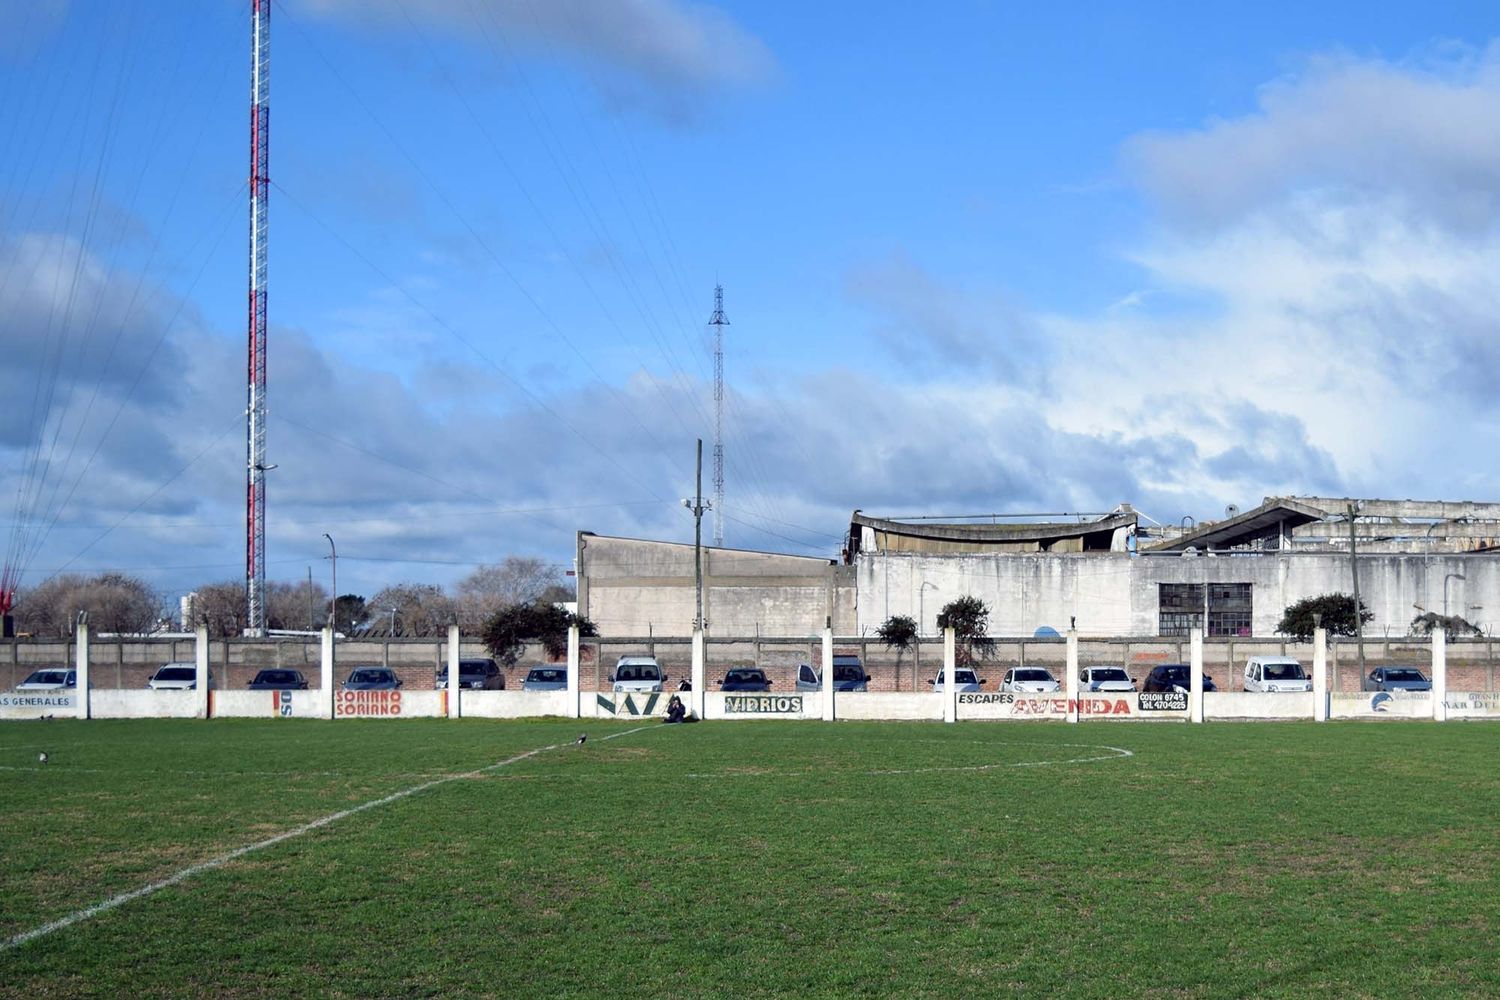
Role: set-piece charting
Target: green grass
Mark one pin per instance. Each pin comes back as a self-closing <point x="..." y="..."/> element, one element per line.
<point x="755" y="859"/>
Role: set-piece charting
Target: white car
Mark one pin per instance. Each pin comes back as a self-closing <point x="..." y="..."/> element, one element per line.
<point x="964" y="680"/>
<point x="1029" y="680"/>
<point x="175" y="677"/>
<point x="1105" y="679"/>
<point x="52" y="679"/>
<point x="634" y="674"/>
<point x="1276" y="674"/>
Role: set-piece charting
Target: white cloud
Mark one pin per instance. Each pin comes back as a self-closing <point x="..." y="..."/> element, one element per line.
<point x="658" y="52"/>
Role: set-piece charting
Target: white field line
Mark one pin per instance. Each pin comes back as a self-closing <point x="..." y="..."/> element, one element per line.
<point x="1117" y="753"/>
<point x="239" y="852"/>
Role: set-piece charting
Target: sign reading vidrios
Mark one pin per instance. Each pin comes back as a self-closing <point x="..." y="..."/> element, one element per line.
<point x="762" y="704"/>
<point x="366" y="703"/>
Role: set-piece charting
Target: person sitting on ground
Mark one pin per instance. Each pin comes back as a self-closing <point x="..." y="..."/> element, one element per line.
<point x="675" y="709"/>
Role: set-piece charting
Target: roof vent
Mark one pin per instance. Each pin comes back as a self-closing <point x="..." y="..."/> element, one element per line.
<point x="1232" y="510"/>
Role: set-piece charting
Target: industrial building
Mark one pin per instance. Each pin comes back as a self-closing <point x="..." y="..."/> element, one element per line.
<point x="1113" y="573"/>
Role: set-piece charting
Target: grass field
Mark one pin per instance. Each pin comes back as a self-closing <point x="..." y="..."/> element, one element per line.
<point x="753" y="859"/>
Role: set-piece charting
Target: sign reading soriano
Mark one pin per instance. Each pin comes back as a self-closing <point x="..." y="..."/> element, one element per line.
<point x="366" y="703"/>
<point x="763" y="704"/>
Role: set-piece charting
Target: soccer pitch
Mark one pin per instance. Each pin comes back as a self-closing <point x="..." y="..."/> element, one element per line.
<point x="748" y="859"/>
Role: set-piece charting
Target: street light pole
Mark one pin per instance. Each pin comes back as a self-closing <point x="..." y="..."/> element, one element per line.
<point x="698" y="505"/>
<point x="1446" y="578"/>
<point x="1359" y="624"/>
<point x="333" y="606"/>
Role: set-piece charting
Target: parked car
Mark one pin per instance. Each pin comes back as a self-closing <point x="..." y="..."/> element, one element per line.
<point x="745" y="679"/>
<point x="1277" y="674"/>
<point x="1029" y="680"/>
<point x="1105" y="679"/>
<point x="49" y="679"/>
<point x="638" y="674"/>
<point x="1397" y="679"/>
<point x="373" y="679"/>
<point x="478" y="674"/>
<point x="279" y="680"/>
<point x="176" y="677"/>
<point x="964" y="680"/>
<point x="846" y="676"/>
<point x="546" y="677"/>
<point x="1174" y="677"/>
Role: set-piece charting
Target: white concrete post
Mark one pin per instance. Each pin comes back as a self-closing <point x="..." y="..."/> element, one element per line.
<point x="1070" y="682"/>
<point x="81" y="666"/>
<point x="1320" y="675"/>
<point x="573" y="685"/>
<point x="325" y="674"/>
<point x="700" y="674"/>
<point x="455" y="693"/>
<point x="950" y="681"/>
<point x="1439" y="674"/>
<point x="826" y="677"/>
<point x="1195" y="675"/>
<point x="200" y="662"/>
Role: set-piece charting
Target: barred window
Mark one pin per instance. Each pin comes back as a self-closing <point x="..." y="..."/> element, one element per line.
<point x="1226" y="608"/>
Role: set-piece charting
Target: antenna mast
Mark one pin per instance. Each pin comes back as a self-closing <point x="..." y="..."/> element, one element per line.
<point x="718" y="321"/>
<point x="255" y="411"/>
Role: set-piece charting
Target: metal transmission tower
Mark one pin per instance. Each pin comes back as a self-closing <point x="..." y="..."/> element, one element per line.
<point x="718" y="321"/>
<point x="255" y="411"/>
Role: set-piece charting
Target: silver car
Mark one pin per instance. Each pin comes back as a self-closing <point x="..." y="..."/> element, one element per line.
<point x="546" y="677"/>
<point x="51" y="679"/>
<point x="964" y="680"/>
<point x="176" y="677"/>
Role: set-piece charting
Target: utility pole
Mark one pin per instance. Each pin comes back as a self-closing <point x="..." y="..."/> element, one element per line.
<point x="333" y="606"/>
<point x="718" y="321"/>
<point x="698" y="505"/>
<point x="1359" y="625"/>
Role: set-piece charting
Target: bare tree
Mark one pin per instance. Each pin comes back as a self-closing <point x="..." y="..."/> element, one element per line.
<point x="515" y="580"/>
<point x="421" y="609"/>
<point x="221" y="606"/>
<point x="300" y="605"/>
<point x="115" y="603"/>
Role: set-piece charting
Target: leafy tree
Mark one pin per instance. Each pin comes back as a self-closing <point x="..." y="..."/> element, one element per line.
<point x="898" y="632"/>
<point x="1336" y="612"/>
<point x="348" y="612"/>
<point x="507" y="631"/>
<point x="1454" y="625"/>
<point x="969" y="617"/>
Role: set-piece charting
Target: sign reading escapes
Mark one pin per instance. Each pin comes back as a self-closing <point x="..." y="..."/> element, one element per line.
<point x="763" y="704"/>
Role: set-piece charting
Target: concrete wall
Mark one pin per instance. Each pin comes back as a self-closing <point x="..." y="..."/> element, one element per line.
<point x="634" y="587"/>
<point x="1117" y="594"/>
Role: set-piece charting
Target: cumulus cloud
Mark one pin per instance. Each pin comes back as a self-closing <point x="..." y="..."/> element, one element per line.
<point x="657" y="52"/>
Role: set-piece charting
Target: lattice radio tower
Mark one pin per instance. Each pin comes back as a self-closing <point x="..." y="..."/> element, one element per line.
<point x="255" y="411"/>
<point x="718" y="321"/>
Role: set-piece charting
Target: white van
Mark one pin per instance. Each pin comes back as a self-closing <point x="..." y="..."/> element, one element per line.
<point x="638" y="673"/>
<point x="1275" y="673"/>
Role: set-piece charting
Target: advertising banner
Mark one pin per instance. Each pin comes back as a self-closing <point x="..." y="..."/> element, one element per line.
<point x="36" y="704"/>
<point x="1380" y="705"/>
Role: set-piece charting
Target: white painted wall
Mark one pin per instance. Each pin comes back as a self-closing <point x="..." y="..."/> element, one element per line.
<point x="514" y="704"/>
<point x="1254" y="705"/>
<point x="144" y="704"/>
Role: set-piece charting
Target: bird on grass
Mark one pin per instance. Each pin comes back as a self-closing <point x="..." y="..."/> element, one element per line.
<point x="42" y="757"/>
<point x="583" y="739"/>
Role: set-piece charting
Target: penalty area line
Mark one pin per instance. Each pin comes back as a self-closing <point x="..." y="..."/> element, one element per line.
<point x="223" y="859"/>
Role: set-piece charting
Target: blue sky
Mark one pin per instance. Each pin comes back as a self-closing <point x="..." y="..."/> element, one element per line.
<point x="977" y="257"/>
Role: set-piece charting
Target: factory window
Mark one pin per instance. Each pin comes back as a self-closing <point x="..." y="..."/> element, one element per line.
<point x="1225" y="607"/>
<point x="1181" y="607"/>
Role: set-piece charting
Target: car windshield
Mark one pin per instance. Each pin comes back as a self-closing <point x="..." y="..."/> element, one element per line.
<point x="965" y="677"/>
<point x="745" y="676"/>
<point x="546" y="674"/>
<point x="1284" y="672"/>
<point x="1033" y="675"/>
<point x="1404" y="674"/>
<point x="175" y="674"/>
<point x="369" y="676"/>
<point x="846" y="673"/>
<point x="275" y="677"/>
<point x="1173" y="674"/>
<point x="1110" y="674"/>
<point x="49" y="677"/>
<point x="473" y="666"/>
<point x="639" y="672"/>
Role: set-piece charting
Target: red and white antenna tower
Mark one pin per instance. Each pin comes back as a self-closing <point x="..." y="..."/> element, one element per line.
<point x="260" y="160"/>
<point x="718" y="321"/>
